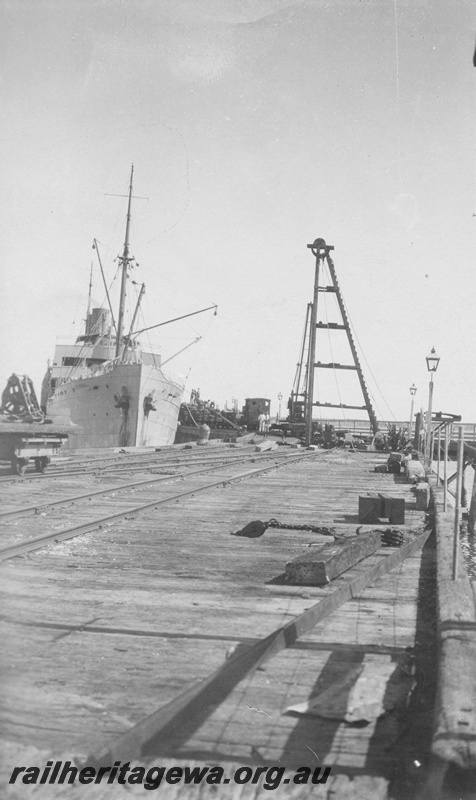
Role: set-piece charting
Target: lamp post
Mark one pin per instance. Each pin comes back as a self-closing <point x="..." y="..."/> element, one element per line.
<point x="413" y="390"/>
<point x="432" y="362"/>
<point x="280" y="397"/>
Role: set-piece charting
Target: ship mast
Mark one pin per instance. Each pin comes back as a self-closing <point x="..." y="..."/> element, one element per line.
<point x="124" y="259"/>
<point x="88" y="312"/>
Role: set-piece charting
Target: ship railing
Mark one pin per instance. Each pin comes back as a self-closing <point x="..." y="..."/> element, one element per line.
<point x="76" y="376"/>
<point x="95" y="369"/>
<point x="108" y="366"/>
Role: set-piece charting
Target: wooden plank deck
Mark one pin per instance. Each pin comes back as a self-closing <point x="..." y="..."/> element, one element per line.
<point x="104" y="629"/>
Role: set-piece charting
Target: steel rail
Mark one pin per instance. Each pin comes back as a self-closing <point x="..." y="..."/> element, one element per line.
<point x="120" y="465"/>
<point x="150" y="464"/>
<point x="164" y="450"/>
<point x="77" y="530"/>
<point x="74" y="465"/>
<point x="58" y="471"/>
<point x="178" y="463"/>
<point x="118" y="455"/>
<point x="34" y="509"/>
<point x="123" y="459"/>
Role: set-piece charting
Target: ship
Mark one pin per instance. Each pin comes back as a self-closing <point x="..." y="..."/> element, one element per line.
<point x="106" y="386"/>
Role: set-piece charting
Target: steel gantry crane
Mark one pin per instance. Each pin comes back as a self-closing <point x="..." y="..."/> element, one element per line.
<point x="302" y="400"/>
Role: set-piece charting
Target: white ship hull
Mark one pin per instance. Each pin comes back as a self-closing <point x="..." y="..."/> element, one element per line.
<point x="110" y="390"/>
<point x="132" y="405"/>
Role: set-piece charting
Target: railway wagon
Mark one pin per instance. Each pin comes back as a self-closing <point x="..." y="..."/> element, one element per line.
<point x="21" y="441"/>
<point x="254" y="406"/>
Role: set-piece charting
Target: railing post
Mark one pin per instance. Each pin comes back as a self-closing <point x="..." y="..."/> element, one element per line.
<point x="445" y="470"/>
<point x="472" y="510"/>
<point x="464" y="496"/>
<point x="429" y="427"/>
<point x="459" y="475"/>
<point x="439" y="457"/>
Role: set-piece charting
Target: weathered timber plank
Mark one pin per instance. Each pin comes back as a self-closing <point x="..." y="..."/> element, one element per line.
<point x="268" y="444"/>
<point x="455" y="604"/>
<point x="160" y="572"/>
<point x="317" y="568"/>
<point x="291" y="676"/>
<point x="210" y="692"/>
<point x="454" y="738"/>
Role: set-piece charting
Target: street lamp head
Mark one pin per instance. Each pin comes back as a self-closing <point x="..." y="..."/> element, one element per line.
<point x="432" y="361"/>
<point x="413" y="389"/>
<point x="280" y="396"/>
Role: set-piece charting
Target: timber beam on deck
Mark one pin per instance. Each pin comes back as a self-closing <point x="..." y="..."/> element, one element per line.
<point x="191" y="707"/>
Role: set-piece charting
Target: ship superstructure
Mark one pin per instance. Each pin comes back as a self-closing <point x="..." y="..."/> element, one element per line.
<point x="108" y="386"/>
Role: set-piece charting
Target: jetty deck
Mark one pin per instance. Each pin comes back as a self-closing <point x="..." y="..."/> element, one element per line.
<point x="162" y="637"/>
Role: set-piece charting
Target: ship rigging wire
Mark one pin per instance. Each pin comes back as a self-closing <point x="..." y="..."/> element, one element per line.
<point x="371" y="373"/>
<point x="399" y="127"/>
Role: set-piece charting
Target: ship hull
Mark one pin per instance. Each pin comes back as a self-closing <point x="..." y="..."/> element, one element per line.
<point x="132" y="405"/>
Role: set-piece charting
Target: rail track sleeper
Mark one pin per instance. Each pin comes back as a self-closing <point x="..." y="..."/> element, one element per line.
<point x="77" y="530"/>
<point x="15" y="513"/>
<point x="97" y="471"/>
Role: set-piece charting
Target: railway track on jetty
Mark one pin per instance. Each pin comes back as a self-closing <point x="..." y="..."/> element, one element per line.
<point x="88" y="504"/>
<point x="125" y="462"/>
<point x="159" y="635"/>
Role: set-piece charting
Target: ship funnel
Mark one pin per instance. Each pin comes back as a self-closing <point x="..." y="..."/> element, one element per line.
<point x="98" y="322"/>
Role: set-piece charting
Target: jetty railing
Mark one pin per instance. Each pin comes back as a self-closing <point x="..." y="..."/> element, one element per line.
<point x="363" y="426"/>
<point x="454" y="736"/>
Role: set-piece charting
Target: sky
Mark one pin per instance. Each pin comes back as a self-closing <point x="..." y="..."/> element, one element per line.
<point x="254" y="127"/>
